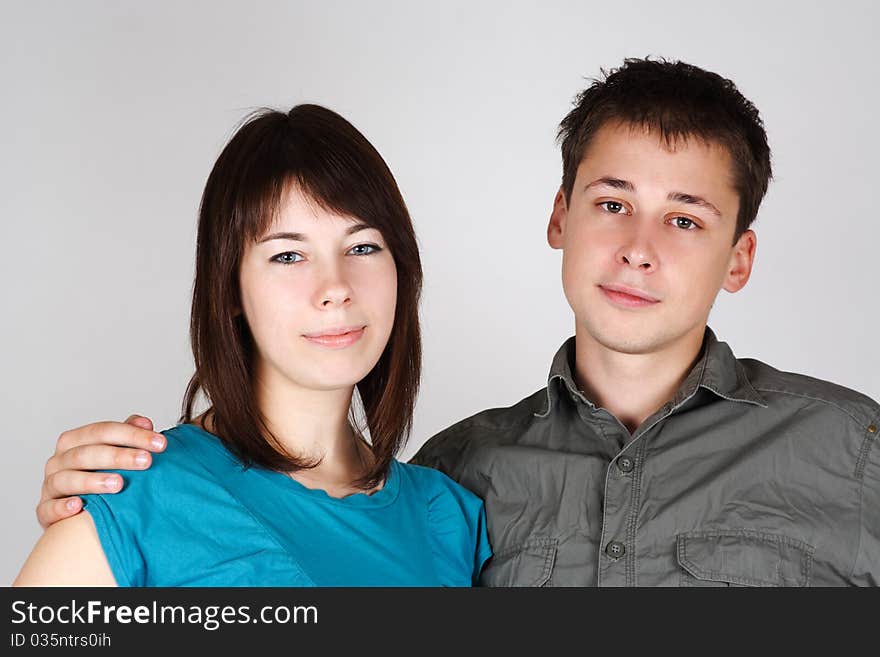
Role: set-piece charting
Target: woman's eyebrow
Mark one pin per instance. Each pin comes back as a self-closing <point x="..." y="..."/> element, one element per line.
<point x="301" y="237"/>
<point x="295" y="237"/>
<point x="357" y="228"/>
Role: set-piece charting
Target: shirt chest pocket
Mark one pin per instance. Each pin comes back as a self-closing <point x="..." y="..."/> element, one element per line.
<point x="741" y="557"/>
<point x="527" y="564"/>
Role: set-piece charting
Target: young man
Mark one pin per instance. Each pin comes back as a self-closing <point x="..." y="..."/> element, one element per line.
<point x="653" y="457"/>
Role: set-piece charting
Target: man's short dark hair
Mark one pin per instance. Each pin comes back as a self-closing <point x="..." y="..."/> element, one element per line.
<point x="678" y="101"/>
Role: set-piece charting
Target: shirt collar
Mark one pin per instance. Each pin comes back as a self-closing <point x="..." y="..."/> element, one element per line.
<point x="716" y="370"/>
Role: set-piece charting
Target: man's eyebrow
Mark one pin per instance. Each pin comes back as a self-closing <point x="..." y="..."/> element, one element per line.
<point x="301" y="237"/>
<point x="681" y="197"/>
<point x="616" y="183"/>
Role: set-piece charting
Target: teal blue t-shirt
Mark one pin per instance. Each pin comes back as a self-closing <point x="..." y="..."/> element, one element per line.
<point x="197" y="517"/>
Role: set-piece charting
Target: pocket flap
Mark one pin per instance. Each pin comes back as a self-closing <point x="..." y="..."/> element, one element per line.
<point x="750" y="558"/>
<point x="527" y="564"/>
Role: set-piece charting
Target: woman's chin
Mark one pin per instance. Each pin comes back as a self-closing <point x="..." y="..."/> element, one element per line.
<point x="329" y="380"/>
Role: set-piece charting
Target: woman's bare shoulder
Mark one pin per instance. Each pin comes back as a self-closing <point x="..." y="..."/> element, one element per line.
<point x="68" y="553"/>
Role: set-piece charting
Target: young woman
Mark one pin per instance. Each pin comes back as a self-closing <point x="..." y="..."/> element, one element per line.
<point x="306" y="290"/>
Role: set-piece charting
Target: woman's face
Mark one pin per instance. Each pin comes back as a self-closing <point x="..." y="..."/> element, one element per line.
<point x="318" y="291"/>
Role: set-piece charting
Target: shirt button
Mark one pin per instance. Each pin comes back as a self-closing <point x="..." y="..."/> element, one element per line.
<point x="625" y="464"/>
<point x="615" y="549"/>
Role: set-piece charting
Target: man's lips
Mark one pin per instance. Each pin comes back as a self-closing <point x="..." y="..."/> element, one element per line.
<point x="628" y="297"/>
<point x="336" y="338"/>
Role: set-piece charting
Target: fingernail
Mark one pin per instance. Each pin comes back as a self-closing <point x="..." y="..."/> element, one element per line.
<point x="111" y="483"/>
<point x="72" y="504"/>
<point x="141" y="458"/>
<point x="158" y="442"/>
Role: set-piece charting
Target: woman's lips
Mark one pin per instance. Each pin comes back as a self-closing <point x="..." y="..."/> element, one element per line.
<point x="627" y="297"/>
<point x="336" y="338"/>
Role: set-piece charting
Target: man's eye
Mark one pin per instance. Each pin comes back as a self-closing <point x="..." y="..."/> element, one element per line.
<point x="684" y="223"/>
<point x="287" y="258"/>
<point x="613" y="207"/>
<point x="364" y="249"/>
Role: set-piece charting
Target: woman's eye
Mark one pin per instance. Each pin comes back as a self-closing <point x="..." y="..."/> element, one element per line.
<point x="684" y="223"/>
<point x="613" y="207"/>
<point x="287" y="258"/>
<point x="364" y="249"/>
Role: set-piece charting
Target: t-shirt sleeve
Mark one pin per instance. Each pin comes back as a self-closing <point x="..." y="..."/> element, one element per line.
<point x="114" y="516"/>
<point x="460" y="542"/>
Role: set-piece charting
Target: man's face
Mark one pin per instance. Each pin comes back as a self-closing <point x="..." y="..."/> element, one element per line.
<point x="647" y="239"/>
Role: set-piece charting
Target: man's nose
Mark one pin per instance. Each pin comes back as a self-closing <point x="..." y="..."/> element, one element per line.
<point x="638" y="252"/>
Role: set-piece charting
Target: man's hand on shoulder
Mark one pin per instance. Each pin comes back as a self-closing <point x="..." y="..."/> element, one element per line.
<point x="98" y="446"/>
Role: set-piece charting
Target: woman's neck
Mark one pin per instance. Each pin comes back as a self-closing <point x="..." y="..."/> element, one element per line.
<point x="314" y="425"/>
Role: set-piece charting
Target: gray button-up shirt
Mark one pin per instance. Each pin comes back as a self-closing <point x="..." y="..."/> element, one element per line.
<point x="749" y="476"/>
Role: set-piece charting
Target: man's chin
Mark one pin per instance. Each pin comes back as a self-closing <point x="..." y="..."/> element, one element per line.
<point x="632" y="347"/>
<point x="632" y="342"/>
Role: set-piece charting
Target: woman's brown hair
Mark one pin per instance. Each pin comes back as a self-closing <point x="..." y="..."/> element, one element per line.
<point x="328" y="160"/>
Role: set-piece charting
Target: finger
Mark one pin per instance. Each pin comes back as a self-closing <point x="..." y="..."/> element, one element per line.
<point x="51" y="511"/>
<point x="140" y="421"/>
<point x="111" y="433"/>
<point x="76" y="482"/>
<point x="99" y="457"/>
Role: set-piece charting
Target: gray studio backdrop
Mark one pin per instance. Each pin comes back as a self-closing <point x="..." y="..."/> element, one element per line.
<point x="113" y="113"/>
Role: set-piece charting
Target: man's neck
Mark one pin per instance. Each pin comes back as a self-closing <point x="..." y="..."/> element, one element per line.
<point x="633" y="386"/>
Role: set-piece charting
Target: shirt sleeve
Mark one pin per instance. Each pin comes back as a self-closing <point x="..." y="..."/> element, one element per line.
<point x="428" y="455"/>
<point x="459" y="539"/>
<point x="866" y="571"/>
<point x="444" y="451"/>
<point x="110" y="514"/>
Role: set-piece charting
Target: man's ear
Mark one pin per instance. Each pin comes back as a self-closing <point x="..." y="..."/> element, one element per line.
<point x="741" y="260"/>
<point x="556" y="226"/>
